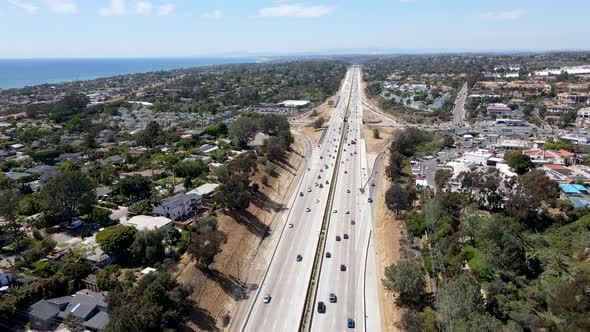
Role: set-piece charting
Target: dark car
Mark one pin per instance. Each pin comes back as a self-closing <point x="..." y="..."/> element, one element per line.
<point x="328" y="254"/>
<point x="337" y="237"/>
<point x="342" y="267"/>
<point x="321" y="307"/>
<point x="345" y="236"/>
<point x="333" y="298"/>
<point x="299" y="258"/>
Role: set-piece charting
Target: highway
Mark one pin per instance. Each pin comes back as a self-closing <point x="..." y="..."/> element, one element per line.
<point x="459" y="109"/>
<point x="286" y="281"/>
<point x="351" y="222"/>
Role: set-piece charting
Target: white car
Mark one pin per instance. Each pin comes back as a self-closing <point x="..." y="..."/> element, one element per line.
<point x="334" y="211"/>
<point x="317" y="200"/>
<point x="266" y="298"/>
<point x="290" y="225"/>
<point x="347" y="212"/>
<point x="307" y="209"/>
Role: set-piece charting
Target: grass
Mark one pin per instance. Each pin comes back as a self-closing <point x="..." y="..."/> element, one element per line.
<point x="475" y="263"/>
<point x="169" y="181"/>
<point x="63" y="245"/>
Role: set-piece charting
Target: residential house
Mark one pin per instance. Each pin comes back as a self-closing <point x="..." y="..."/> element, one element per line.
<point x="148" y="222"/>
<point x="208" y="149"/>
<point x="179" y="206"/>
<point x="90" y="307"/>
<point x="205" y="190"/>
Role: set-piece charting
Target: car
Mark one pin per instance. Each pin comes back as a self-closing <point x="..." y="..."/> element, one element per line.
<point x="322" y="157"/>
<point x="350" y="323"/>
<point x="290" y="226"/>
<point x="345" y="172"/>
<point x="317" y="200"/>
<point x="328" y="254"/>
<point x="307" y="209"/>
<point x="334" y="211"/>
<point x="333" y="298"/>
<point x="299" y="258"/>
<point x="266" y="298"/>
<point x="373" y="184"/>
<point x="347" y="212"/>
<point x="308" y="189"/>
<point x="348" y="191"/>
<point x="370" y="200"/>
<point x="321" y="307"/>
<point x="301" y="193"/>
<point x="321" y="185"/>
<point x="345" y="236"/>
<point x="352" y="222"/>
<point x="309" y="169"/>
<point x="342" y="267"/>
<point x="319" y="176"/>
<point x="337" y="237"/>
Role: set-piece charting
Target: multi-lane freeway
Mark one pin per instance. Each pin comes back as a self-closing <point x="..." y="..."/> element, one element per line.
<point x="329" y="227"/>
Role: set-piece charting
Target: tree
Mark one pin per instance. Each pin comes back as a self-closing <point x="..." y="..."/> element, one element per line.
<point x="150" y="136"/>
<point x="116" y="239"/>
<point x="376" y="133"/>
<point x="234" y="192"/>
<point x="519" y="162"/>
<point x="147" y="247"/>
<point x="204" y="247"/>
<point x="274" y="148"/>
<point x="459" y="298"/>
<point x="9" y="200"/>
<point x="101" y="216"/>
<point x="74" y="323"/>
<point x="398" y="198"/>
<point x="407" y="280"/>
<point x="242" y="130"/>
<point x="155" y="304"/>
<point x="318" y="123"/>
<point x="395" y="164"/>
<point x="189" y="169"/>
<point x="134" y="186"/>
<point x="141" y="207"/>
<point x="107" y="278"/>
<point x="441" y="178"/>
<point x="67" y="195"/>
<point x="525" y="200"/>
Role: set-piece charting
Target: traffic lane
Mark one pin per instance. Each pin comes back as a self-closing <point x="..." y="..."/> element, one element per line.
<point x="283" y="251"/>
<point x="286" y="281"/>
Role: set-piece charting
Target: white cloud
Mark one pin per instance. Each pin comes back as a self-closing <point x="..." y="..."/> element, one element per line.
<point x="144" y="7"/>
<point x="507" y="15"/>
<point x="116" y="8"/>
<point x="62" y="6"/>
<point x="29" y="8"/>
<point x="214" y="15"/>
<point x="295" y="10"/>
<point x="166" y="9"/>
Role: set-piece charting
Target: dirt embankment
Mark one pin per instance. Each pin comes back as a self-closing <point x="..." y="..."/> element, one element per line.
<point x="323" y="111"/>
<point x="217" y="291"/>
<point x="387" y="232"/>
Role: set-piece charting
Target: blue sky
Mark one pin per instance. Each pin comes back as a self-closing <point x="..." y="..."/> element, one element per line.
<point x="152" y="28"/>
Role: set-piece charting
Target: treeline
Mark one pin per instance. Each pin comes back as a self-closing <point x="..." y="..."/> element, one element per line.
<point x="500" y="255"/>
<point x="251" y="84"/>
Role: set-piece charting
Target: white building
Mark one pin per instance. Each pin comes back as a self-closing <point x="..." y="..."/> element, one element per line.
<point x="179" y="206"/>
<point x="205" y="190"/>
<point x="147" y="222"/>
<point x="295" y="103"/>
<point x="479" y="157"/>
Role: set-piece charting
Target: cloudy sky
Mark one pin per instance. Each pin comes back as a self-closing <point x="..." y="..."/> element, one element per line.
<point x="152" y="28"/>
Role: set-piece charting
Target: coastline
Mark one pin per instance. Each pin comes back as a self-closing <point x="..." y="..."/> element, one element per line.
<point x="22" y="73"/>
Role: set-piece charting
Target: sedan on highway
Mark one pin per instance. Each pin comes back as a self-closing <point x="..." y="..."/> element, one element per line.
<point x="307" y="209"/>
<point x="342" y="267"/>
<point x="350" y="323"/>
<point x="266" y="298"/>
<point x="328" y="254"/>
<point x="321" y="307"/>
<point x="299" y="258"/>
<point x="345" y="236"/>
<point x="333" y="298"/>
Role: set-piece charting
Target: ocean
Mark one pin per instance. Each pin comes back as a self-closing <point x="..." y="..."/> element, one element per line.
<point x="17" y="73"/>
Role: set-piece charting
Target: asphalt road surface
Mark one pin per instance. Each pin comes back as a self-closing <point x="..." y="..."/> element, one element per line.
<point x="286" y="280"/>
<point x="351" y="221"/>
<point x="459" y="109"/>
